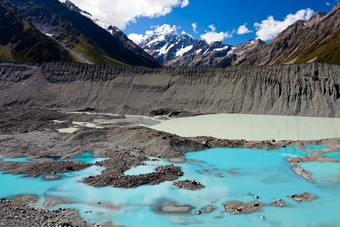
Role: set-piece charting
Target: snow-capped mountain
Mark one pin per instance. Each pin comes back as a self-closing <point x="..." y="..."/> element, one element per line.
<point x="172" y="49"/>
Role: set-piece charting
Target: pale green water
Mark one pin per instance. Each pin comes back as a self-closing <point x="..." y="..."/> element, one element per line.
<point x="67" y="130"/>
<point x="253" y="127"/>
<point x="263" y="173"/>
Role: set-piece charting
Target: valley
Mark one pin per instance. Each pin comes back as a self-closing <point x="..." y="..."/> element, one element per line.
<point x="168" y="129"/>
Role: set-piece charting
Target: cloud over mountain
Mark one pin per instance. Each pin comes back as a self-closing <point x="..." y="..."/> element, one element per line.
<point x="270" y="28"/>
<point x="243" y="30"/>
<point x="212" y="36"/>
<point x="122" y="12"/>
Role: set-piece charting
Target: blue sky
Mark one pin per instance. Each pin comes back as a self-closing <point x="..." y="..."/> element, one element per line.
<point x="138" y="16"/>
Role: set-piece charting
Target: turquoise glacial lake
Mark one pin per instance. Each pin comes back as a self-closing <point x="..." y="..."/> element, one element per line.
<point x="228" y="175"/>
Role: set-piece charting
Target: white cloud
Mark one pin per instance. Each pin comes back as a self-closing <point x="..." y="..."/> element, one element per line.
<point x="212" y="36"/>
<point x="270" y="28"/>
<point x="328" y="4"/>
<point x="185" y="3"/>
<point x="243" y="30"/>
<point x="122" y="12"/>
<point x="194" y="27"/>
<point x="137" y="38"/>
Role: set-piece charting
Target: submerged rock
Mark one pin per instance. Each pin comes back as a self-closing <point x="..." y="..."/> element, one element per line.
<point x="52" y="202"/>
<point x="170" y="207"/>
<point x="305" y="197"/>
<point x="27" y="198"/>
<point x="52" y="177"/>
<point x="236" y="207"/>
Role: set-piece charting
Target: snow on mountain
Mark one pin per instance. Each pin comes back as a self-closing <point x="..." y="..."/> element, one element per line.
<point x="172" y="49"/>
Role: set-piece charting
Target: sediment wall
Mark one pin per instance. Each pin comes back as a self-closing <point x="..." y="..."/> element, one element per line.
<point x="305" y="90"/>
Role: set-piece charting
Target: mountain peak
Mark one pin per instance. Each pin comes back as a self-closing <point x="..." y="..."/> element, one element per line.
<point x="317" y="16"/>
<point x="165" y="29"/>
<point x="172" y="49"/>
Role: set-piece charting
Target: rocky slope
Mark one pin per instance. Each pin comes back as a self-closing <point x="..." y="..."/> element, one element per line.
<point x="306" y="90"/>
<point x="20" y="41"/>
<point x="314" y="40"/>
<point x="84" y="39"/>
<point x="113" y="30"/>
<point x="241" y="53"/>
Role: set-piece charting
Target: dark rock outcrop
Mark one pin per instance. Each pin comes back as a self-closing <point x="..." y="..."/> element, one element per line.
<point x="305" y="197"/>
<point x="278" y="203"/>
<point x="188" y="184"/>
<point x="236" y="207"/>
<point x="109" y="177"/>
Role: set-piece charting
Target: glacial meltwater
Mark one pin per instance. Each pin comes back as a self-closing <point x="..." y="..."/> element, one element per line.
<point x="253" y="127"/>
<point x="228" y="175"/>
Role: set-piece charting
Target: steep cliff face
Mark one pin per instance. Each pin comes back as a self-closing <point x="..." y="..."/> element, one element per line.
<point x="306" y="90"/>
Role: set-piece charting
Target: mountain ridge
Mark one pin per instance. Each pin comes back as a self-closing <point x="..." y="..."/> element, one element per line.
<point x="313" y="40"/>
<point x="20" y="41"/>
<point x="80" y="35"/>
